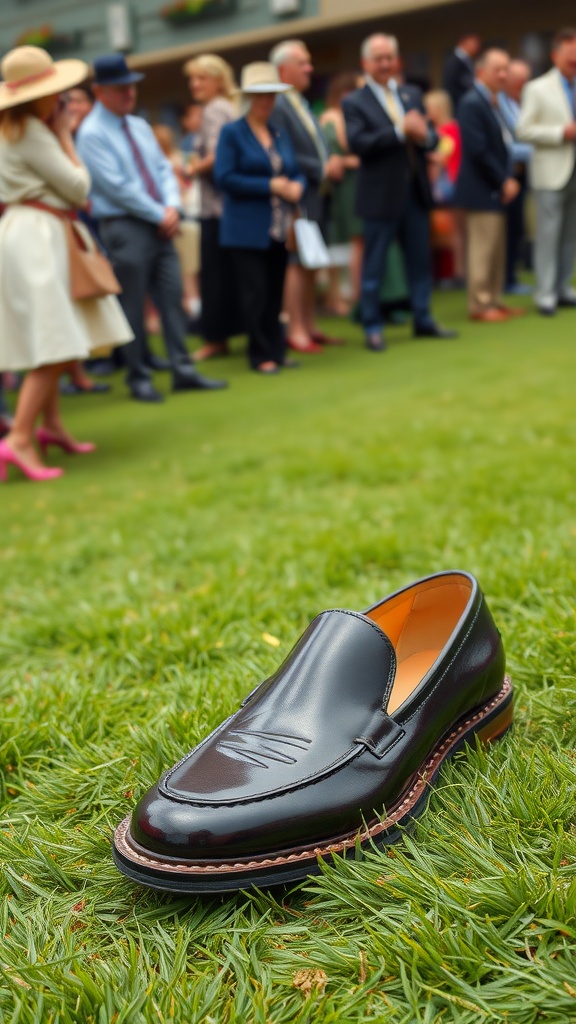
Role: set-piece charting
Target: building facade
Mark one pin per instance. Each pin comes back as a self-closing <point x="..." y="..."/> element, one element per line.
<point x="160" y="35"/>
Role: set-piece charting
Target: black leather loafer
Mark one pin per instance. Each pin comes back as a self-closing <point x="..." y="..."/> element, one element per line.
<point x="144" y="391"/>
<point x="191" y="380"/>
<point x="333" y="752"/>
<point x="433" y="330"/>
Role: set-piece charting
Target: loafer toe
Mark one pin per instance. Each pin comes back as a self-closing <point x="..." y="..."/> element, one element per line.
<point x="338" y="748"/>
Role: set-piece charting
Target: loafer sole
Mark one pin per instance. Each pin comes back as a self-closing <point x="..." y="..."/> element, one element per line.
<point x="488" y="723"/>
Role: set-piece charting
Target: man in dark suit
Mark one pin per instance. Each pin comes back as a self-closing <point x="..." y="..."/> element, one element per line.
<point x="458" y="74"/>
<point x="486" y="186"/>
<point x="293" y="115"/>
<point x="387" y="129"/>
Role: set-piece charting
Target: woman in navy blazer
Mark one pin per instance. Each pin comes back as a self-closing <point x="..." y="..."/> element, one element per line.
<point x="257" y="172"/>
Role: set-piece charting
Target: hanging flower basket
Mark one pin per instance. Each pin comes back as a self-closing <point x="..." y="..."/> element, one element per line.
<point x="40" y="36"/>
<point x="48" y="39"/>
<point x="184" y="11"/>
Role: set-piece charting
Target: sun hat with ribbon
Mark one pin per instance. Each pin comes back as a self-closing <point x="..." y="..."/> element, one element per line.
<point x="30" y="73"/>
<point x="260" y="77"/>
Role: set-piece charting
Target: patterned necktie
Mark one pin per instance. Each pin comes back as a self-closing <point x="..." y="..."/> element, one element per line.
<point x="303" y="107"/>
<point x="392" y="108"/>
<point x="141" y="165"/>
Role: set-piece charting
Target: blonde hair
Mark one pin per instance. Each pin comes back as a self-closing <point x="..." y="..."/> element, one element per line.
<point x="440" y="99"/>
<point x="13" y="120"/>
<point x="165" y="138"/>
<point x="216" y="68"/>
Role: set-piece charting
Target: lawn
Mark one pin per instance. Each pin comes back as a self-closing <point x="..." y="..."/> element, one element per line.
<point x="147" y="591"/>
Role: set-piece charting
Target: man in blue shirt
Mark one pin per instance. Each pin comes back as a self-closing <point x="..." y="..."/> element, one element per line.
<point x="136" y="203"/>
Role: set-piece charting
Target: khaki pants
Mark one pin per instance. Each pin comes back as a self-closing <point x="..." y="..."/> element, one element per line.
<point x="486" y="234"/>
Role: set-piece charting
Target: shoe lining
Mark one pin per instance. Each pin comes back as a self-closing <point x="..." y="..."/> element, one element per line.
<point x="419" y="623"/>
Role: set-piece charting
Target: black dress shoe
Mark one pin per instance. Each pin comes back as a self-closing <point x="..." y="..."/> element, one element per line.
<point x="100" y="367"/>
<point x="145" y="392"/>
<point x="374" y="342"/>
<point x="567" y="302"/>
<point x="194" y="381"/>
<point x="98" y="387"/>
<point x="433" y="330"/>
<point x="154" y="362"/>
<point x="334" y="751"/>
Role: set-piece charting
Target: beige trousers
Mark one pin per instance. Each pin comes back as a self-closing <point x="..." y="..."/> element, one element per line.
<point x="486" y="254"/>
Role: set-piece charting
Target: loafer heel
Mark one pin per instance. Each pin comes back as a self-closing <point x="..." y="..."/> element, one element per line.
<point x="498" y="724"/>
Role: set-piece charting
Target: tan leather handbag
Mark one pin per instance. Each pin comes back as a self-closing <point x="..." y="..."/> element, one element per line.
<point x="91" y="274"/>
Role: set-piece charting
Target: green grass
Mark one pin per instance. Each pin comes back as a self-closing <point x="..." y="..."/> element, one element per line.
<point x="136" y="592"/>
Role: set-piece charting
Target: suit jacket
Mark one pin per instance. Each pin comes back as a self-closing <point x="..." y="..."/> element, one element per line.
<point x="242" y="171"/>
<point x="388" y="166"/>
<point x="308" y="154"/>
<point x="486" y="159"/>
<point x="544" y="114"/>
<point x="457" y="78"/>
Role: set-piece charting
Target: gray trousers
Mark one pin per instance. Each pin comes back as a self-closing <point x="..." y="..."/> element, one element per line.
<point x="146" y="264"/>
<point x="555" y="244"/>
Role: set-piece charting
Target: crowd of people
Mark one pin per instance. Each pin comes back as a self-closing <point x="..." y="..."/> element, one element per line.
<point x="396" y="185"/>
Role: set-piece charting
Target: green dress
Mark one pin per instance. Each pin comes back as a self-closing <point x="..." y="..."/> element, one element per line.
<point x="344" y="224"/>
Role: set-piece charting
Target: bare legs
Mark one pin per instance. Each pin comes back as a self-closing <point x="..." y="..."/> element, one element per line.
<point x="335" y="303"/>
<point x="38" y="396"/>
<point x="299" y="298"/>
<point x="78" y="374"/>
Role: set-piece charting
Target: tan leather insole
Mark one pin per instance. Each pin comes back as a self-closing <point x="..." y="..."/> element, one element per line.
<point x="408" y="675"/>
<point x="419" y="623"/>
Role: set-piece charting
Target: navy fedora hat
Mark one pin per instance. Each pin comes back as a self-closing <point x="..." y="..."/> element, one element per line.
<point x="112" y="69"/>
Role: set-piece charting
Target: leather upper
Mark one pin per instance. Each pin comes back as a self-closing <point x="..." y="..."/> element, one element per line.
<point x="278" y="739"/>
<point x="314" y="744"/>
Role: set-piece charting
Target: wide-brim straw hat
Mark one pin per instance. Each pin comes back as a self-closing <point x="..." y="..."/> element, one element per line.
<point x="260" y="77"/>
<point x="30" y="73"/>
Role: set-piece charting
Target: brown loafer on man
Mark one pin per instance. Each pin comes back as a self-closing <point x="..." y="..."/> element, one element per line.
<point x="332" y="753"/>
<point x="493" y="315"/>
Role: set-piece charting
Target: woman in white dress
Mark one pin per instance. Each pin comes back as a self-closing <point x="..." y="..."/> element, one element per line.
<point x="41" y="327"/>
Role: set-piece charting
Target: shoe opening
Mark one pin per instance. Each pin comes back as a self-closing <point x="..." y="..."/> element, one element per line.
<point x="419" y="623"/>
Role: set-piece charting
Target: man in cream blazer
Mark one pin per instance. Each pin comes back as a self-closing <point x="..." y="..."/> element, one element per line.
<point x="548" y="121"/>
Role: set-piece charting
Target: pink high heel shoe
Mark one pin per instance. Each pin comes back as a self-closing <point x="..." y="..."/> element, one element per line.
<point x="7" y="456"/>
<point x="46" y="438"/>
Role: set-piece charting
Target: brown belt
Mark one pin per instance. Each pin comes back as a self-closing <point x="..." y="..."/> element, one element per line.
<point x="56" y="211"/>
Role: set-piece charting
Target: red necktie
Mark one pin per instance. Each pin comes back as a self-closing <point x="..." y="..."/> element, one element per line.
<point x="141" y="165"/>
